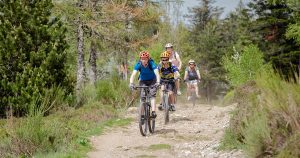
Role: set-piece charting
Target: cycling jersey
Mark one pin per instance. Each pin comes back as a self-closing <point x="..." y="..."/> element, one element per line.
<point x="167" y="73"/>
<point x="146" y="73"/>
<point x="192" y="74"/>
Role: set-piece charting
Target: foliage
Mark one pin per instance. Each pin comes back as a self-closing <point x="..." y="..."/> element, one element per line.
<point x="244" y="66"/>
<point x="273" y="19"/>
<point x="266" y="121"/>
<point x="32" y="54"/>
<point x="113" y="91"/>
<point x="63" y="134"/>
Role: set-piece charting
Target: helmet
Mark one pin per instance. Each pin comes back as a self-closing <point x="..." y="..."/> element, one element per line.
<point x="165" y="54"/>
<point x="168" y="45"/>
<point x="144" y="54"/>
<point x="191" y="61"/>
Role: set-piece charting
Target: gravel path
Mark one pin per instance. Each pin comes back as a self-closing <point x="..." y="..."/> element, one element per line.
<point x="192" y="132"/>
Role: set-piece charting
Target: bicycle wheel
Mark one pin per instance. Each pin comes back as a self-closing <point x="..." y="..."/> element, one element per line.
<point x="143" y="123"/>
<point x="194" y="98"/>
<point x="151" y="121"/>
<point x="166" y="106"/>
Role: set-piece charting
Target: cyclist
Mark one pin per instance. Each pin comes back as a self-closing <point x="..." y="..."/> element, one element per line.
<point x="192" y="73"/>
<point x="149" y="76"/>
<point x="168" y="71"/>
<point x="175" y="59"/>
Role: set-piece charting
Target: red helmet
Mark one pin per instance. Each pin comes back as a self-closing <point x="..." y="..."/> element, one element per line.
<point x="144" y="54"/>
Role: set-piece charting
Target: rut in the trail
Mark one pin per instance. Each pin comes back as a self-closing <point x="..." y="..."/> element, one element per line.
<point x="192" y="132"/>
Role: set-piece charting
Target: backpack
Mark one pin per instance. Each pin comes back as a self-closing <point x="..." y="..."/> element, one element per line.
<point x="175" y="54"/>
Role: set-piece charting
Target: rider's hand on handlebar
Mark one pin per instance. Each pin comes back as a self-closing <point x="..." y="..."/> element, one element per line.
<point x="157" y="84"/>
<point x="131" y="86"/>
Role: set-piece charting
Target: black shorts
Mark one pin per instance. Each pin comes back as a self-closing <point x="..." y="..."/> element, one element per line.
<point x="153" y="89"/>
<point x="169" y="85"/>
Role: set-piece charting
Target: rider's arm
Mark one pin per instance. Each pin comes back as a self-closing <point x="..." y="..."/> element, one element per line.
<point x="179" y="60"/>
<point x="176" y="75"/>
<point x="132" y="76"/>
<point x="157" y="75"/>
<point x="198" y="73"/>
<point x="185" y="75"/>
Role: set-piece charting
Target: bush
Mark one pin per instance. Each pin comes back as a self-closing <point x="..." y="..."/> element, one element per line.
<point x="32" y="54"/>
<point x="266" y="121"/>
<point x="111" y="91"/>
<point x="243" y="67"/>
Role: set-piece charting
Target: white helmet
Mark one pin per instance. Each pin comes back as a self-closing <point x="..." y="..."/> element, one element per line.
<point x="191" y="61"/>
<point x="169" y="45"/>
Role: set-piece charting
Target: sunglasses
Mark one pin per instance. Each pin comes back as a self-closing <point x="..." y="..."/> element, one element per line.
<point x="164" y="59"/>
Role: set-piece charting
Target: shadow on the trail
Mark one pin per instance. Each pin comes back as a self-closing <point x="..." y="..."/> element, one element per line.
<point x="177" y="119"/>
<point x="165" y="131"/>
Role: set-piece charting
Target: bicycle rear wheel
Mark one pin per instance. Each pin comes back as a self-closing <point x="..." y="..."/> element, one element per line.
<point x="166" y="107"/>
<point x="143" y="122"/>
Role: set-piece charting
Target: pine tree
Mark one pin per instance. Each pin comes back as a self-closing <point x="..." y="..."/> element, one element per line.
<point x="272" y="22"/>
<point x="32" y="54"/>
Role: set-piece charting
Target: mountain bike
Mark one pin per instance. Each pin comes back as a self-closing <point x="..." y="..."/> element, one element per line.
<point x="192" y="90"/>
<point x="146" y="121"/>
<point x="165" y="99"/>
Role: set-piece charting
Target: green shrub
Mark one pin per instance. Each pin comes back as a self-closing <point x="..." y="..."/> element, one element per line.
<point x="266" y="121"/>
<point x="113" y="91"/>
<point x="228" y="98"/>
<point x="243" y="67"/>
<point x="32" y="54"/>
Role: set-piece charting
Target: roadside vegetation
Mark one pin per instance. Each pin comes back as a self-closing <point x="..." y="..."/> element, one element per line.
<point x="64" y="67"/>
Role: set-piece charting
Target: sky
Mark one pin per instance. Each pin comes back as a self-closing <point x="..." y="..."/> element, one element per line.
<point x="228" y="5"/>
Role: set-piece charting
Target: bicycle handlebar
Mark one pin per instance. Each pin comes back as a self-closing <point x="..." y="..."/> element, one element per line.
<point x="141" y="87"/>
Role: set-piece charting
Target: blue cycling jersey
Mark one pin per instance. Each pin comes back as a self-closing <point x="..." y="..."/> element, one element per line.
<point x="146" y="73"/>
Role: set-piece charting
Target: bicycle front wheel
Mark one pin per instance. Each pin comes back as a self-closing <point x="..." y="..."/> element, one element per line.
<point x="143" y="119"/>
<point x="166" y="107"/>
<point x="151" y="121"/>
<point x="194" y="98"/>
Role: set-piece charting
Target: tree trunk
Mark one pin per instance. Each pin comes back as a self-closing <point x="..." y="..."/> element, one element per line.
<point x="80" y="61"/>
<point x="92" y="62"/>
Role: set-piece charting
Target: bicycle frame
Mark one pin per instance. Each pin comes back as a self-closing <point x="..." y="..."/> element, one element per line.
<point x="145" y="105"/>
<point x="165" y="100"/>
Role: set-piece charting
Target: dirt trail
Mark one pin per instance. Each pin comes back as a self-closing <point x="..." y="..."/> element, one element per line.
<point x="190" y="133"/>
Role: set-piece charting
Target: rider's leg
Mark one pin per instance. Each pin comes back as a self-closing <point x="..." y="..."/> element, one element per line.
<point x="153" y="104"/>
<point x="161" y="97"/>
<point x="153" y="91"/>
<point x="177" y="83"/>
<point x="188" y="89"/>
<point x="171" y="97"/>
<point x="197" y="90"/>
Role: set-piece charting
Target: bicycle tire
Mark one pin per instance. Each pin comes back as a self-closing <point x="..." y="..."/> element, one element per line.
<point x="166" y="107"/>
<point x="151" y="121"/>
<point x="194" y="98"/>
<point x="143" y="125"/>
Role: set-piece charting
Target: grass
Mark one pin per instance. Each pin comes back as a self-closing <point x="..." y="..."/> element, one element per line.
<point x="266" y="122"/>
<point x="159" y="147"/>
<point x="64" y="130"/>
<point x="81" y="145"/>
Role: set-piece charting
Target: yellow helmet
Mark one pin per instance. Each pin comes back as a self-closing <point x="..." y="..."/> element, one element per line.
<point x="165" y="54"/>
